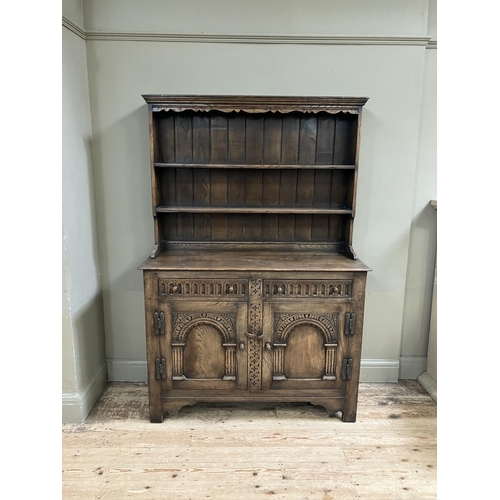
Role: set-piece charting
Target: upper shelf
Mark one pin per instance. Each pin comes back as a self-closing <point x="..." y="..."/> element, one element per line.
<point x="254" y="210"/>
<point x="252" y="166"/>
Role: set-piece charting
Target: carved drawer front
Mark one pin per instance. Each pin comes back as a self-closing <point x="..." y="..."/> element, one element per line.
<point x="171" y="288"/>
<point x="308" y="288"/>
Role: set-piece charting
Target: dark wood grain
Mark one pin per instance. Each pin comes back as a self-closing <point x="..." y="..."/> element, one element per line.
<point x="256" y="104"/>
<point x="166" y="138"/>
<point x="345" y="140"/>
<point x="185" y="197"/>
<point x="254" y="259"/>
<point x="252" y="193"/>
<point x="251" y="166"/>
<point x="220" y="179"/>
<point x="237" y="128"/>
<point x="270" y="179"/>
<point x="338" y="186"/>
<point x="290" y="140"/>
<point x="204" y="354"/>
<point x="325" y="140"/>
<point x="305" y="353"/>
<point x="237" y="227"/>
<point x="255" y="210"/>
<point x="153" y="349"/>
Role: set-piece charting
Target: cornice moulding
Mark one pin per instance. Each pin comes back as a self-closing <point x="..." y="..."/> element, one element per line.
<point x="132" y="36"/>
<point x="259" y="39"/>
<point x="74" y="28"/>
<point x="254" y="104"/>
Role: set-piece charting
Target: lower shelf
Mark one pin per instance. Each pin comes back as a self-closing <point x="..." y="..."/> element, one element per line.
<point x="253" y="210"/>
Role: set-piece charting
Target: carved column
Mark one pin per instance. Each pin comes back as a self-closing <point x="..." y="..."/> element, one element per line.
<point x="230" y="370"/>
<point x="330" y="362"/>
<point x="178" y="361"/>
<point x="279" y="358"/>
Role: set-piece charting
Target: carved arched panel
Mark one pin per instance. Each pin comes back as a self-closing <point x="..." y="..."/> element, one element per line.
<point x="304" y="346"/>
<point x="305" y="352"/>
<point x="204" y="346"/>
<point x="204" y="356"/>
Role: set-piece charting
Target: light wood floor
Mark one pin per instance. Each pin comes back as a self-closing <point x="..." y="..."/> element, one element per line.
<point x="284" y="451"/>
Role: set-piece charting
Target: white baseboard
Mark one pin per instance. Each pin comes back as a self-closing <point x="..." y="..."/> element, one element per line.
<point x="76" y="406"/>
<point x="412" y="366"/>
<point x="135" y="370"/>
<point x="127" y="370"/>
<point x="379" y="370"/>
<point x="429" y="384"/>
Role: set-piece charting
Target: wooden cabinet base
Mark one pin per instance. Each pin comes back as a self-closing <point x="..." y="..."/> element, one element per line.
<point x="254" y="335"/>
<point x="333" y="405"/>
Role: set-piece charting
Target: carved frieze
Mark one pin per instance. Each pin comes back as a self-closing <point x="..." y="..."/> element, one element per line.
<point x="168" y="288"/>
<point x="285" y="322"/>
<point x="308" y="288"/>
<point x="183" y="322"/>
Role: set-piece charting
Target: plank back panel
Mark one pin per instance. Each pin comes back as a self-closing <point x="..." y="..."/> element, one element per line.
<point x="269" y="138"/>
<point x="247" y="228"/>
<point x="202" y="188"/>
<point x="237" y="130"/>
<point x="273" y="125"/>
<point x="195" y="139"/>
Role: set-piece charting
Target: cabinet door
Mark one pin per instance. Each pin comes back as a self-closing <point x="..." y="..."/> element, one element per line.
<point x="204" y="345"/>
<point x="303" y="348"/>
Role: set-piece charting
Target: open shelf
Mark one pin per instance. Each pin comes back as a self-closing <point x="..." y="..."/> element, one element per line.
<point x="253" y="166"/>
<point x="254" y="210"/>
<point x="220" y="138"/>
<point x="244" y="177"/>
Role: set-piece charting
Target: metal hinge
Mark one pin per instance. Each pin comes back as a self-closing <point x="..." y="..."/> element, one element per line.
<point x="346" y="369"/>
<point x="160" y="323"/>
<point x="350" y="323"/>
<point x="161" y="369"/>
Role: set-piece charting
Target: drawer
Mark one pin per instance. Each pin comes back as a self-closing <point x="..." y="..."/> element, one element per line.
<point x="341" y="289"/>
<point x="202" y="288"/>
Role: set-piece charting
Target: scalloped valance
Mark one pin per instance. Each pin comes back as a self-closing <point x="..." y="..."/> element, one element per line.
<point x="255" y="104"/>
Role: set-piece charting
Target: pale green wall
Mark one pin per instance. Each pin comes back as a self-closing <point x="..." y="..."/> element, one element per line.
<point x="68" y="367"/>
<point x="423" y="232"/>
<point x="83" y="367"/>
<point x="390" y="183"/>
<point x="397" y="172"/>
<point x="299" y="17"/>
<point x="73" y="11"/>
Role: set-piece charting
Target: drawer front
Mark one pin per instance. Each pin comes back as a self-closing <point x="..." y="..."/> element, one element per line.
<point x="340" y="289"/>
<point x="170" y="288"/>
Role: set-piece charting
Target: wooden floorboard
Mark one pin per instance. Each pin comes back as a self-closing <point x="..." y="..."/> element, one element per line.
<point x="240" y="451"/>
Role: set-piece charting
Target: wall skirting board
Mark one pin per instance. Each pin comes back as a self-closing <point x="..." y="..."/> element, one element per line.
<point x="127" y="370"/>
<point x="135" y="370"/>
<point x="76" y="406"/>
<point x="128" y="36"/>
<point x="379" y="370"/>
<point x="412" y="366"/>
<point x="429" y="384"/>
